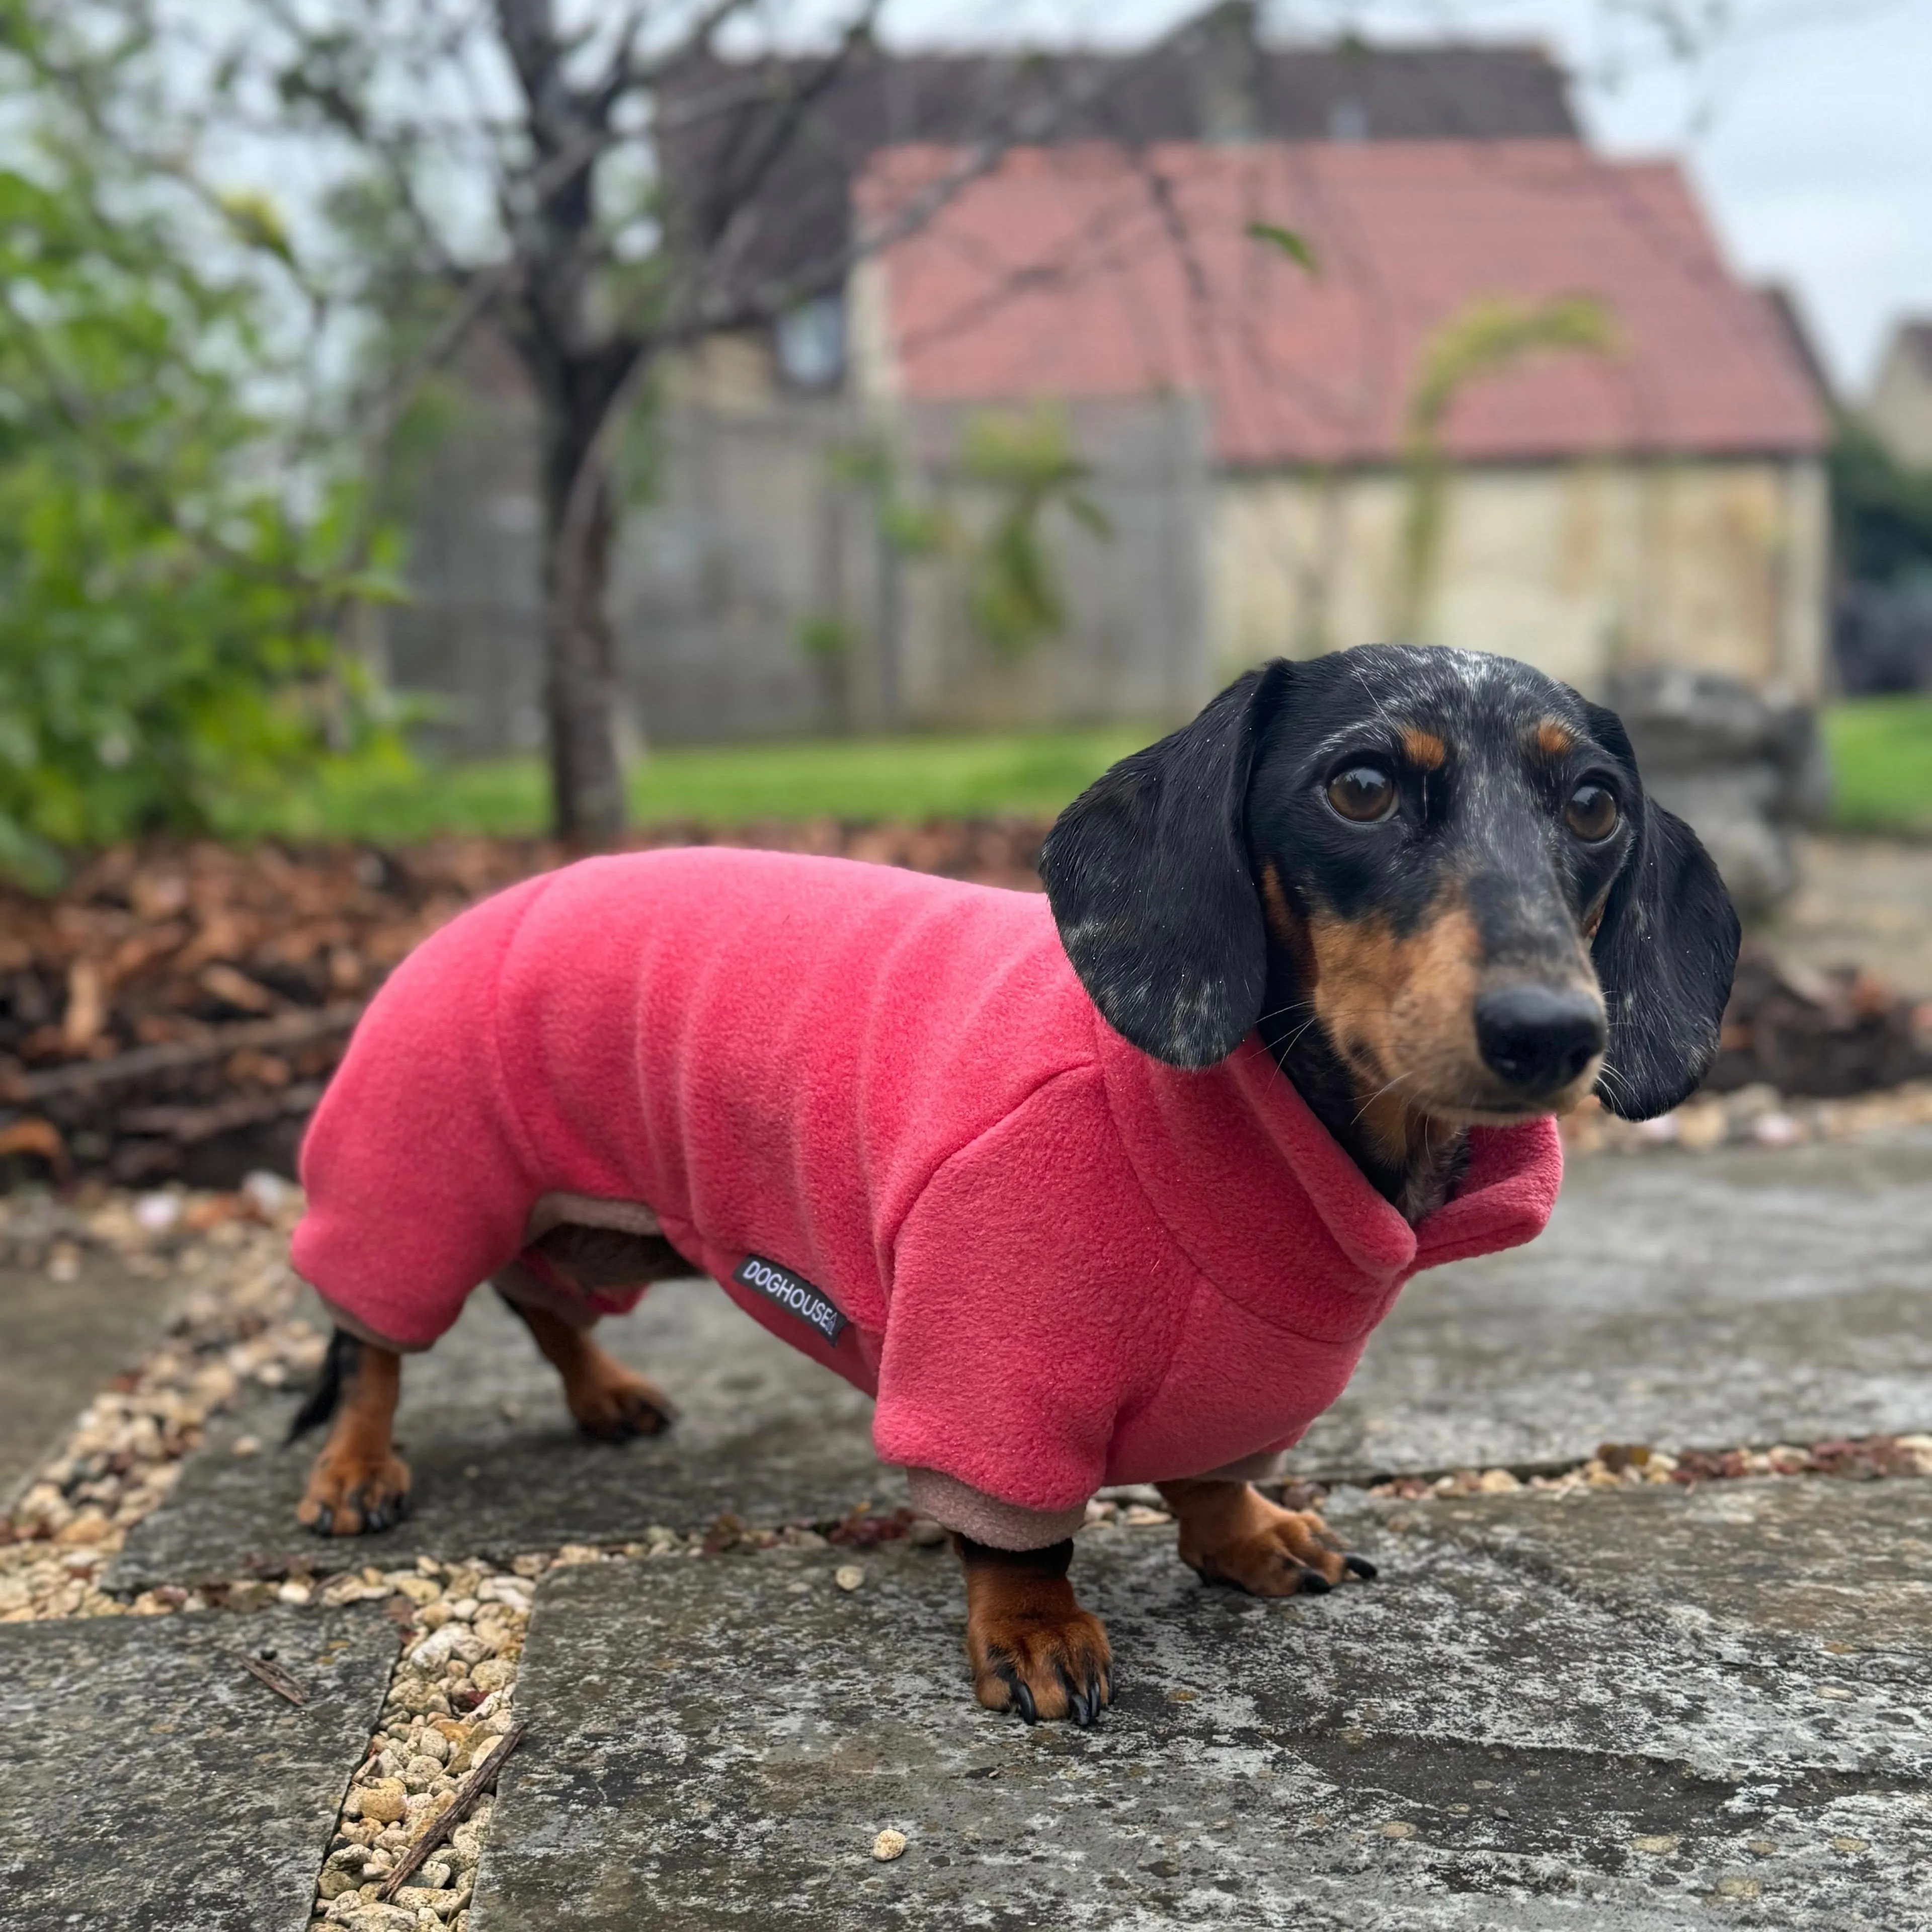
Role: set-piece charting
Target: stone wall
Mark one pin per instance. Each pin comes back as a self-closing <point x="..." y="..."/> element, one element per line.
<point x="1583" y="569"/>
<point x="757" y="540"/>
<point x="761" y="538"/>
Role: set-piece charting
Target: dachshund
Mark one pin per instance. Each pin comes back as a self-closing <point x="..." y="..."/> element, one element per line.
<point x="1110" y="1187"/>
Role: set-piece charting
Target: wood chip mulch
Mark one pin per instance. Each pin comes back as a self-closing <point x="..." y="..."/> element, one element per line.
<point x="174" y="1013"/>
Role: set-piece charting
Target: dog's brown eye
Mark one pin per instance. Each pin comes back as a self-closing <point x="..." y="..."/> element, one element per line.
<point x="1364" y="793"/>
<point x="1591" y="813"/>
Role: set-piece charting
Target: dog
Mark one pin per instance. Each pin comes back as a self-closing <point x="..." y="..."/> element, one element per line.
<point x="1111" y="1187"/>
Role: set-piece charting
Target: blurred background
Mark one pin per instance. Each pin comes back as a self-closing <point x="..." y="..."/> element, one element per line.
<point x="436" y="437"/>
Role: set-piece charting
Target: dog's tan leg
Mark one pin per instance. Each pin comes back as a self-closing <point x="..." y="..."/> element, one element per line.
<point x="1230" y="1533"/>
<point x="358" y="1482"/>
<point x="1032" y="1647"/>
<point x="609" y="1401"/>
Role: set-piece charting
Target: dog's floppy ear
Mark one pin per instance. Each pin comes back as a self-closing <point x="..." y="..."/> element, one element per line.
<point x="1664" y="953"/>
<point x="1147" y="872"/>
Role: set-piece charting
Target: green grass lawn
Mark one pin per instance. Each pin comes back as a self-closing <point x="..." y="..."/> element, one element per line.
<point x="1030" y="773"/>
<point x="1881" y="750"/>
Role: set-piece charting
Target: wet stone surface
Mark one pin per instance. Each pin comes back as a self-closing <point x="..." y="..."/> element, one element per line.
<point x="1847" y="1563"/>
<point x="65" y="1336"/>
<point x="1745" y="1296"/>
<point x="498" y="1465"/>
<point x="1490" y="1737"/>
<point x="151" y="1785"/>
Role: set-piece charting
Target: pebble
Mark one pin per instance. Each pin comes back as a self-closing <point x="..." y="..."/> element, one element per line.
<point x="1398" y="1828"/>
<point x="384" y="1799"/>
<point x="156" y="1213"/>
<point x="889" y="1845"/>
<point x="848" y="1576"/>
<point x="237" y="1332"/>
<point x="1757" y="1115"/>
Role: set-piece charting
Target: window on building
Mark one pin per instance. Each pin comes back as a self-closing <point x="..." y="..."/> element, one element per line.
<point x="811" y="342"/>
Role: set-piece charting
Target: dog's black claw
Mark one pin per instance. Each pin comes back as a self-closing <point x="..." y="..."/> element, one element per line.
<point x="378" y="1518"/>
<point x="1361" y="1566"/>
<point x="1314" y="1584"/>
<point x="324" y="1520"/>
<point x="1023" y="1702"/>
<point x="1080" y="1704"/>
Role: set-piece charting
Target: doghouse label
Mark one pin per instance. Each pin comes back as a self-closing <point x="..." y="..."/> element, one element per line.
<point x="792" y="1292"/>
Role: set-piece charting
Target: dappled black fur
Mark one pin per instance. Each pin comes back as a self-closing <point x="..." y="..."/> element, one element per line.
<point x="1664" y="955"/>
<point x="338" y="1372"/>
<point x="1154" y="872"/>
<point x="1148" y="874"/>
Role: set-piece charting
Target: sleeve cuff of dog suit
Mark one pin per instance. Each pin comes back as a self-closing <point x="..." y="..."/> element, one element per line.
<point x="957" y="1505"/>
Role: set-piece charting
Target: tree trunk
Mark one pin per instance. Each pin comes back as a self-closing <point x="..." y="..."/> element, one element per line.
<point x="580" y="690"/>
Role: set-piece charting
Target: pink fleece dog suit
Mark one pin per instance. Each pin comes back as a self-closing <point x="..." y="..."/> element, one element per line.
<point x="880" y="1109"/>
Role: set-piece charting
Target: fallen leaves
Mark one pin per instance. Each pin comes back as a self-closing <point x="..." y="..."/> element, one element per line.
<point x="176" y="1012"/>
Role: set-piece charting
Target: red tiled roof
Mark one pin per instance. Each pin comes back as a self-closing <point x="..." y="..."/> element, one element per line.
<point x="1086" y="272"/>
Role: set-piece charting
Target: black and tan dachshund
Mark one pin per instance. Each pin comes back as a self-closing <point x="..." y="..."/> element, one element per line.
<point x="1432" y="879"/>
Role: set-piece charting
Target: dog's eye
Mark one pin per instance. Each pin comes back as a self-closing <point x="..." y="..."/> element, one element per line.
<point x="1364" y="793"/>
<point x="1591" y="813"/>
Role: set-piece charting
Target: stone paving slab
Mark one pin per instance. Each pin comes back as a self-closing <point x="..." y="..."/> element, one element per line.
<point x="148" y="1784"/>
<point x="499" y="1467"/>
<point x="63" y="1340"/>
<point x="1740" y="1298"/>
<point x="1847" y="1563"/>
<point x="1473" y="1742"/>
<point x="1748" y="1296"/>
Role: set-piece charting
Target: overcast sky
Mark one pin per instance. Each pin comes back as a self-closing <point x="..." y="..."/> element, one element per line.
<point x="1808" y="127"/>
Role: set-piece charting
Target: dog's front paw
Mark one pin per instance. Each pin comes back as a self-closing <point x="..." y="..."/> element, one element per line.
<point x="614" y="1405"/>
<point x="1269" y="1551"/>
<point x="1043" y="1662"/>
<point x="351" y="1491"/>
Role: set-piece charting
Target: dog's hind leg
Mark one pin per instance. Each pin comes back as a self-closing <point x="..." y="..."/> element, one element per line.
<point x="358" y="1482"/>
<point x="609" y="1401"/>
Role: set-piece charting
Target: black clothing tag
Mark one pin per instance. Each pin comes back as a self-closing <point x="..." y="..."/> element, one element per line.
<point x="790" y="1291"/>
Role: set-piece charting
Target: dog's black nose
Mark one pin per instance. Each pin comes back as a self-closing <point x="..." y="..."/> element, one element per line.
<point x="1539" y="1038"/>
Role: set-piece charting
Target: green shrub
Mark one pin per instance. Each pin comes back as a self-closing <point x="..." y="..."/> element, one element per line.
<point x="169" y="614"/>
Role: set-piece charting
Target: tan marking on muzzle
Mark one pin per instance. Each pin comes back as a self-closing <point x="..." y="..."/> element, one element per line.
<point x="1400" y="1009"/>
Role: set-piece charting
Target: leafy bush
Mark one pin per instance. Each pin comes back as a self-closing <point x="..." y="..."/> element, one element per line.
<point x="1014" y="596"/>
<point x="1882" y="510"/>
<point x="168" y="611"/>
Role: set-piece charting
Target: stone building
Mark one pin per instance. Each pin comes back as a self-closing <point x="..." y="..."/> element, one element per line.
<point x="1248" y="427"/>
<point x="1900" y="407"/>
<point x="755" y="537"/>
<point x="1655" y="496"/>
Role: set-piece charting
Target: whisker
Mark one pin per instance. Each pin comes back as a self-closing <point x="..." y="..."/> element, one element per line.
<point x="1386" y="1088"/>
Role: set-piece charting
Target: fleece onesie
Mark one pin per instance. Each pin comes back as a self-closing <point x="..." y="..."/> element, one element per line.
<point x="880" y="1110"/>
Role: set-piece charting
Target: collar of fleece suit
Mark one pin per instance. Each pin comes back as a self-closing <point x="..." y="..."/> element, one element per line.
<point x="1242" y="1122"/>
